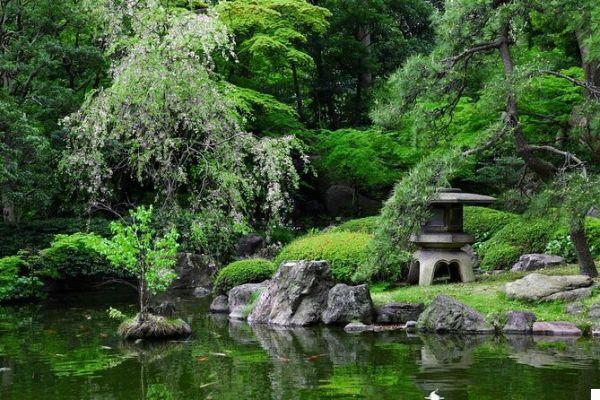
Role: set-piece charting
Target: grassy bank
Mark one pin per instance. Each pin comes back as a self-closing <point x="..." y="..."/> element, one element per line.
<point x="486" y="296"/>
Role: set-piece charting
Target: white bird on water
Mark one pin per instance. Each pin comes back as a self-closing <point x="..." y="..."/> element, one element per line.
<point x="434" y="396"/>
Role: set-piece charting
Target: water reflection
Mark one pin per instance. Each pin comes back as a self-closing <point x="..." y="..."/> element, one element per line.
<point x="70" y="351"/>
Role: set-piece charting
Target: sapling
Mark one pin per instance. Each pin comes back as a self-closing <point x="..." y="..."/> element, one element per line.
<point x="140" y="249"/>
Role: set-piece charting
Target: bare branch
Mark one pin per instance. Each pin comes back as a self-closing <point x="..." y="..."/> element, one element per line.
<point x="452" y="61"/>
<point x="568" y="155"/>
<point x="594" y="90"/>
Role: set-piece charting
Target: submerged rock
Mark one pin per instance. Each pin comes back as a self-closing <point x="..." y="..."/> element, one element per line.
<point x="348" y="303"/>
<point x="531" y="262"/>
<point x="556" y="329"/>
<point x="153" y="327"/>
<point x="399" y="313"/>
<point x="240" y="299"/>
<point x="295" y="296"/>
<point x="519" y="322"/>
<point x="220" y="305"/>
<point x="201" y="292"/>
<point x="357" y="327"/>
<point x="536" y="287"/>
<point x="446" y="314"/>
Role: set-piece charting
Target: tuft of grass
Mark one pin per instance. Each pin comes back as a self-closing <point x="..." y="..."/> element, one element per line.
<point x="486" y="295"/>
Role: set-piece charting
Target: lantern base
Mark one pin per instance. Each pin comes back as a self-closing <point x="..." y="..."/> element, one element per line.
<point x="441" y="266"/>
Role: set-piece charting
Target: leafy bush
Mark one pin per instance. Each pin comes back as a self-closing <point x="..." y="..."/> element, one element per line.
<point x="37" y="235"/>
<point x="244" y="271"/>
<point x="345" y="251"/>
<point x="16" y="280"/>
<point x="519" y="237"/>
<point x="362" y="225"/>
<point x="484" y="222"/>
<point x="74" y="255"/>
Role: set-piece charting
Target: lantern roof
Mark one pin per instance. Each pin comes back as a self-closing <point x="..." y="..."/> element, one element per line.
<point x="457" y="196"/>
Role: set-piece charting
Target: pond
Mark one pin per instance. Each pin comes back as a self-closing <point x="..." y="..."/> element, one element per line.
<point x="68" y="350"/>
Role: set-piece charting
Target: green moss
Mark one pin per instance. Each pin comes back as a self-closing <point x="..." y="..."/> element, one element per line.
<point x="362" y="225"/>
<point x="243" y="271"/>
<point x="344" y="251"/>
<point x="486" y="295"/>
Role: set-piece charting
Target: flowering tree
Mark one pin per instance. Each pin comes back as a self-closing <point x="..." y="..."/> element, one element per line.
<point x="167" y="123"/>
<point x="139" y="249"/>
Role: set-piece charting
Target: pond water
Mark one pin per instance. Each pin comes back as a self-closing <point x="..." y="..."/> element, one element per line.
<point x="68" y="350"/>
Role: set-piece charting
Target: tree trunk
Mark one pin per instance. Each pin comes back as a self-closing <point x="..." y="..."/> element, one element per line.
<point x="582" y="249"/>
<point x="298" y="94"/>
<point x="363" y="35"/>
<point x="8" y="210"/>
<point x="591" y="68"/>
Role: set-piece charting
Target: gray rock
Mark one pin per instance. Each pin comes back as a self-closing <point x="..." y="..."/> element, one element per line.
<point x="446" y="314"/>
<point x="165" y="309"/>
<point x="411" y="326"/>
<point x="531" y="262"/>
<point x="193" y="270"/>
<point x="347" y="304"/>
<point x="596" y="331"/>
<point x="357" y="327"/>
<point x="594" y="311"/>
<point x="220" y="305"/>
<point x="519" y="322"/>
<point x="574" y="308"/>
<point x="571" y="295"/>
<point x="399" y="313"/>
<point x="240" y="299"/>
<point x="249" y="245"/>
<point x="536" y="287"/>
<point x="200" y="292"/>
<point x="556" y="329"/>
<point x="594" y="212"/>
<point x="295" y="296"/>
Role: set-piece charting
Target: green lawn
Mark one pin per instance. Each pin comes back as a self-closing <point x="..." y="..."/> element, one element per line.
<point x="486" y="296"/>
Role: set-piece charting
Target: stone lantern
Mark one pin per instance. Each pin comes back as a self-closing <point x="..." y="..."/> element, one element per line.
<point x="440" y="257"/>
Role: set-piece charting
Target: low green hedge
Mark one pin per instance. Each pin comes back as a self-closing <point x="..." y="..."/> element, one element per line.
<point x="484" y="222"/>
<point x="361" y="225"/>
<point x="345" y="251"/>
<point x="17" y="281"/>
<point x="519" y="237"/>
<point x="244" y="271"/>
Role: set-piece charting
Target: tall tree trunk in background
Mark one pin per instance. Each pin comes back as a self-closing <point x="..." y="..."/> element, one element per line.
<point x="591" y="68"/>
<point x="582" y="249"/>
<point x="8" y="210"/>
<point x="365" y="78"/>
<point x="297" y="92"/>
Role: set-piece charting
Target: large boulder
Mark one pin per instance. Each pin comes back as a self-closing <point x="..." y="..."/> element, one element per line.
<point x="531" y="262"/>
<point x="519" y="322"/>
<point x="348" y="304"/>
<point x="594" y="311"/>
<point x="295" y="296"/>
<point x="220" y="305"/>
<point x="340" y="201"/>
<point x="536" y="287"/>
<point x="399" y="312"/>
<point x="193" y="270"/>
<point x="240" y="299"/>
<point x="446" y="314"/>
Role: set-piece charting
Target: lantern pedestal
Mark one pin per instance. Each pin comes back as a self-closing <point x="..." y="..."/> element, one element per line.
<point x="441" y="266"/>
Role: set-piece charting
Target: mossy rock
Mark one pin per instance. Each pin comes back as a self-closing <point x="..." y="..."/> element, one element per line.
<point x="237" y="273"/>
<point x="153" y="327"/>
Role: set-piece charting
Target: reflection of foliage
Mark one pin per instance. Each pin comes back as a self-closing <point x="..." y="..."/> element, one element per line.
<point x="159" y="391"/>
<point x="85" y="361"/>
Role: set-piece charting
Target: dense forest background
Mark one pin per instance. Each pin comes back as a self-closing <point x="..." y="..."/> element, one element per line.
<point x="277" y="116"/>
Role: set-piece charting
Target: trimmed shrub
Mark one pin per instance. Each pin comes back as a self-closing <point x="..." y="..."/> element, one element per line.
<point x="16" y="280"/>
<point x="75" y="255"/>
<point x="362" y="225"/>
<point x="252" y="270"/>
<point x="484" y="222"/>
<point x="519" y="237"/>
<point x="344" y="251"/>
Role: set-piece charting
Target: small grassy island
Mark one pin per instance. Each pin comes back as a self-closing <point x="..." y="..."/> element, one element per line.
<point x="281" y="199"/>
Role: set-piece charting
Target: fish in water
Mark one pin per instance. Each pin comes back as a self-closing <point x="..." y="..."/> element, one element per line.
<point x="434" y="396"/>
